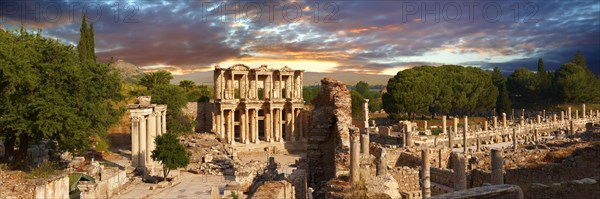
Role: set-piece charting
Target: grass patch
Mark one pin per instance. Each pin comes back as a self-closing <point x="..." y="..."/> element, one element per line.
<point x="43" y="171"/>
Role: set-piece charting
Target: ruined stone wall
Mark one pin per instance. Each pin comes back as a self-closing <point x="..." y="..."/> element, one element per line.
<point x="201" y="112"/>
<point x="53" y="187"/>
<point x="329" y="135"/>
<point x="386" y="140"/>
<point x="442" y="176"/>
<point x="477" y="177"/>
<point x="407" y="178"/>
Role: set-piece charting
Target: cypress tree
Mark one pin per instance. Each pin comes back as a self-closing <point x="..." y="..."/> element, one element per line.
<point x="85" y="47"/>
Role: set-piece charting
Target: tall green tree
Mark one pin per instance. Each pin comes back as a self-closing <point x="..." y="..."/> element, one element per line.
<point x="523" y="84"/>
<point x="503" y="103"/>
<point x="170" y="153"/>
<point x="363" y="88"/>
<point x="576" y="84"/>
<point x="187" y="85"/>
<point x="579" y="59"/>
<point x="47" y="92"/>
<point x="86" y="45"/>
<point x="357" y="104"/>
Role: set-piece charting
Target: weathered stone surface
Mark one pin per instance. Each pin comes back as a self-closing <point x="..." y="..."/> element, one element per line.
<point x="504" y="191"/>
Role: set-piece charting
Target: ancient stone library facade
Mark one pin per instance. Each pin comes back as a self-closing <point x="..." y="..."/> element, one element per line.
<point x="259" y="103"/>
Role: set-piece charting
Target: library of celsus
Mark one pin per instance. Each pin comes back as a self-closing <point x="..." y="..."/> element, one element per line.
<point x="260" y="104"/>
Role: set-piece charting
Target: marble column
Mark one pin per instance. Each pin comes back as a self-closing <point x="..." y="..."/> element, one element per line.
<point x="289" y="135"/>
<point x="426" y="188"/>
<point x="150" y="145"/>
<point x="495" y="122"/>
<point x="277" y="124"/>
<point x="142" y="142"/>
<point x="504" y="120"/>
<point x="459" y="174"/>
<point x="465" y="137"/>
<point x="485" y="125"/>
<point x="569" y="116"/>
<point x="583" y="111"/>
<point x="255" y="125"/>
<point x="366" y="115"/>
<point x="514" y="138"/>
<point x="381" y="168"/>
<point x="408" y="138"/>
<point x="562" y="116"/>
<point x="444" y="130"/>
<point x="576" y="114"/>
<point x="159" y="123"/>
<point x="364" y="144"/>
<point x="497" y="164"/>
<point x="539" y="119"/>
<point x="572" y="128"/>
<point x="425" y="125"/>
<point x="354" y="157"/>
<point x="301" y="124"/>
<point x="243" y="128"/>
<point x="135" y="142"/>
<point x="268" y="124"/>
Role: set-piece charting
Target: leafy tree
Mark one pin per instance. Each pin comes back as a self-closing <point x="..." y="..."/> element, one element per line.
<point x="579" y="59"/>
<point x="309" y="93"/>
<point x="170" y="153"/>
<point x="523" y="86"/>
<point x="48" y="92"/>
<point x="187" y="85"/>
<point x="363" y="88"/>
<point x="175" y="99"/>
<point x="503" y="104"/>
<point x="149" y="80"/>
<point x="576" y="84"/>
<point x="357" y="104"/>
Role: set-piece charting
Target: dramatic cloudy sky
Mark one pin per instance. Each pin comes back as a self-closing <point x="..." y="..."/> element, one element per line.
<point x="378" y="37"/>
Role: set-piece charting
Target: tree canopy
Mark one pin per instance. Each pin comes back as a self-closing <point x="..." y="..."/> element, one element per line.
<point x="439" y="90"/>
<point x="48" y="92"/>
<point x="170" y="153"/>
<point x="149" y="80"/>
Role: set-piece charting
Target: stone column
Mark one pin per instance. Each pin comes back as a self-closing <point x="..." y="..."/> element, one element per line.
<point x="522" y="121"/>
<point x="554" y="118"/>
<point x="255" y="125"/>
<point x="514" y="138"/>
<point x="495" y="122"/>
<point x="562" y="116"/>
<point x="366" y="115"/>
<point x="158" y="123"/>
<point x="485" y="125"/>
<point x="354" y="157"/>
<point x="535" y="135"/>
<point x="497" y="171"/>
<point x="223" y="121"/>
<point x="135" y="142"/>
<point x="364" y="143"/>
<point x="572" y="128"/>
<point x="408" y="138"/>
<point x="243" y="128"/>
<point x="465" y="137"/>
<point x="425" y="125"/>
<point x="444" y="130"/>
<point x="289" y="136"/>
<point x="459" y="177"/>
<point x="583" y="111"/>
<point x="279" y="125"/>
<point x="150" y="146"/>
<point x="381" y="162"/>
<point x="268" y="123"/>
<point x="164" y="121"/>
<point x="142" y="142"/>
<point x="300" y="117"/>
<point x="504" y="120"/>
<point x="576" y="114"/>
<point x="426" y="188"/>
<point x="569" y="116"/>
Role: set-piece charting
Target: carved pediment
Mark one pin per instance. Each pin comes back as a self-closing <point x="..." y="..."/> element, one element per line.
<point x="239" y="67"/>
<point x="286" y="69"/>
<point x="263" y="68"/>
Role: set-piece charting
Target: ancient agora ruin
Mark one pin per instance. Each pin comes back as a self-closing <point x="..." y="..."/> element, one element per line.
<point x="259" y="139"/>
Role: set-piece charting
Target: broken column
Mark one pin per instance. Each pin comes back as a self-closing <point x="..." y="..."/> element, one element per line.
<point x="514" y="138"/>
<point x="576" y="114"/>
<point x="459" y="174"/>
<point x="465" y="136"/>
<point x="569" y="116"/>
<point x="408" y="138"/>
<point x="425" y="125"/>
<point x="571" y="128"/>
<point x="497" y="163"/>
<point x="504" y="120"/>
<point x="562" y="116"/>
<point x="354" y="158"/>
<point x="426" y="188"/>
<point x="485" y="125"/>
<point x="495" y="122"/>
<point x="364" y="144"/>
<point x="381" y="162"/>
<point x="583" y="111"/>
<point x="366" y="116"/>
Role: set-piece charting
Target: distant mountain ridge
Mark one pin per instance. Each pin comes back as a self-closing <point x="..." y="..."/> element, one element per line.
<point x="129" y="72"/>
<point x="310" y="78"/>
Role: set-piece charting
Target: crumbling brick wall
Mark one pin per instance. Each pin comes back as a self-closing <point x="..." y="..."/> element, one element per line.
<point x="329" y="135"/>
<point x="442" y="176"/>
<point x="407" y="178"/>
<point x="201" y="112"/>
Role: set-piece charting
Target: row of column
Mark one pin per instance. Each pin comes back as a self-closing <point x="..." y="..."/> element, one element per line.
<point x="248" y="125"/>
<point x="273" y="85"/>
<point x="145" y="126"/>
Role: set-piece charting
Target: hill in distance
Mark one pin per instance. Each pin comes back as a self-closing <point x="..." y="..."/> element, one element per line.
<point x="310" y="78"/>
